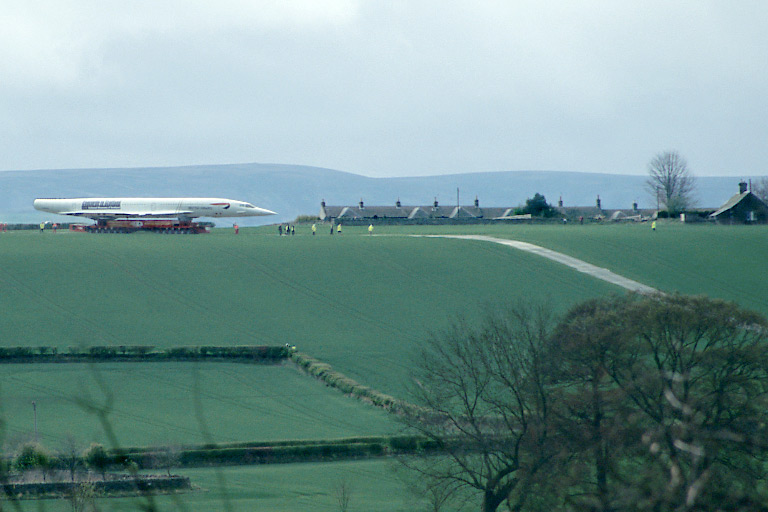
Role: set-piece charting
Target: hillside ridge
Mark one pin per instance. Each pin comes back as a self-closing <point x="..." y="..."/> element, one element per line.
<point x="293" y="190"/>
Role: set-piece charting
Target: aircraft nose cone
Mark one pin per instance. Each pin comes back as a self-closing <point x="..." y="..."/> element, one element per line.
<point x="264" y="211"/>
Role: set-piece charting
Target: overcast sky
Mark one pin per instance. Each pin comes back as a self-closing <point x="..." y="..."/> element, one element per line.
<point x="385" y="88"/>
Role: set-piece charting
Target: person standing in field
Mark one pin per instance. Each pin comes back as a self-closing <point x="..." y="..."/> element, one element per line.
<point x="42" y="226"/>
<point x="314" y="229"/>
<point x="338" y="228"/>
<point x="370" y="229"/>
<point x="653" y="225"/>
<point x="237" y="229"/>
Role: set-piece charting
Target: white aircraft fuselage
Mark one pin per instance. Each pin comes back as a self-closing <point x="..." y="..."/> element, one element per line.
<point x="183" y="208"/>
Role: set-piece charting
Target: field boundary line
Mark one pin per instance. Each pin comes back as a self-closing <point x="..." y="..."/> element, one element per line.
<point x="575" y="263"/>
<point x="340" y="382"/>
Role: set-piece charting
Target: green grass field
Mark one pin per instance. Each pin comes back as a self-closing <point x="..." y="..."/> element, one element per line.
<point x="155" y="404"/>
<point x="376" y="486"/>
<point x="361" y="303"/>
<point x="726" y="262"/>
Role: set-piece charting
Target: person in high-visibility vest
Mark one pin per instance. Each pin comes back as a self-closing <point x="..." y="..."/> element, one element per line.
<point x="653" y="225"/>
<point x="42" y="226"/>
<point x="338" y="228"/>
<point x="314" y="228"/>
<point x="370" y="229"/>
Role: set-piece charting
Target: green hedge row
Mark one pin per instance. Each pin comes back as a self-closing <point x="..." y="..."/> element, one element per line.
<point x="329" y="376"/>
<point x="398" y="442"/>
<point x="241" y="352"/>
<point x="141" y="353"/>
<point x="99" y="459"/>
<point x="269" y="453"/>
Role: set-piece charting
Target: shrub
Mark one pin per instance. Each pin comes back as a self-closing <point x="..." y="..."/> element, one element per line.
<point x="13" y="352"/>
<point x="103" y="352"/>
<point x="538" y="206"/>
<point x="139" y="350"/>
<point x="183" y="353"/>
<point x="306" y="218"/>
<point x="96" y="458"/>
<point x="32" y="456"/>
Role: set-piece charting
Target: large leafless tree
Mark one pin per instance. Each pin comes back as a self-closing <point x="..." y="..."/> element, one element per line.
<point x="671" y="182"/>
<point x="480" y="397"/>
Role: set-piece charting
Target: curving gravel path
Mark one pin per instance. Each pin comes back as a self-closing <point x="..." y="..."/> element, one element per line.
<point x="575" y="263"/>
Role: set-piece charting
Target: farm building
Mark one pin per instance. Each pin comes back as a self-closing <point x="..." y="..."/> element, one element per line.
<point x="436" y="214"/>
<point x="415" y="214"/>
<point x="745" y="207"/>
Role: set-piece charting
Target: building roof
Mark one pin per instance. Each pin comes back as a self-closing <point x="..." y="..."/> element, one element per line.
<point x="733" y="201"/>
<point x="414" y="212"/>
<point x="458" y="212"/>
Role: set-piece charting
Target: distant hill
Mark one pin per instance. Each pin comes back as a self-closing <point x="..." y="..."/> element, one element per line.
<point x="293" y="190"/>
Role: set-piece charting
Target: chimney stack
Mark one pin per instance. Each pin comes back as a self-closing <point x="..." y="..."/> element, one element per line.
<point x="742" y="187"/>
<point x="598" y="203"/>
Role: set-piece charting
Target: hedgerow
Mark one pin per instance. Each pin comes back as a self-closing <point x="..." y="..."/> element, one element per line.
<point x="334" y="379"/>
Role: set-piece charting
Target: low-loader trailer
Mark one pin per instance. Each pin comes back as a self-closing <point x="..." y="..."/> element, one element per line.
<point x="168" y="226"/>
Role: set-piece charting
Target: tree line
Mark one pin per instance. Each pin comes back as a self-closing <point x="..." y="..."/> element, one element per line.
<point x="632" y="403"/>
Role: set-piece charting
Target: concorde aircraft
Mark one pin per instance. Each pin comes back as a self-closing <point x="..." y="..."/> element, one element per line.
<point x="183" y="208"/>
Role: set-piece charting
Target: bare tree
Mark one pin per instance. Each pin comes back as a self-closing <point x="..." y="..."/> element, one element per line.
<point x="70" y="455"/>
<point x="82" y="497"/>
<point x="343" y="493"/>
<point x="168" y="457"/>
<point x="760" y="189"/>
<point x="435" y="494"/>
<point x="480" y="398"/>
<point x="670" y="181"/>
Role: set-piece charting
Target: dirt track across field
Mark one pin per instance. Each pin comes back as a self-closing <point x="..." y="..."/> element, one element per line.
<point x="576" y="264"/>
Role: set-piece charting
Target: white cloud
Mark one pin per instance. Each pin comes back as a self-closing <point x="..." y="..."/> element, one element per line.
<point x="383" y="87"/>
<point x="53" y="43"/>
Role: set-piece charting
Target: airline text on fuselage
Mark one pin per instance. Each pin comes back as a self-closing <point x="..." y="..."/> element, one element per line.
<point x="101" y="205"/>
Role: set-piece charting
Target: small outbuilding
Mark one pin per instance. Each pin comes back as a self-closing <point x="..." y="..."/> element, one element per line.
<point x="743" y="208"/>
